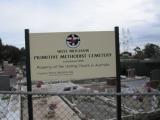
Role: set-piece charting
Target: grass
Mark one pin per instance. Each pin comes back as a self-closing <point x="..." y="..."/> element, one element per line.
<point x="5" y="97"/>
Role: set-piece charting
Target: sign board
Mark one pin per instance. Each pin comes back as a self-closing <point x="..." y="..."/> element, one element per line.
<point x="72" y="55"/>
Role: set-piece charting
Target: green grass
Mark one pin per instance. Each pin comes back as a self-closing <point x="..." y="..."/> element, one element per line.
<point x="5" y="98"/>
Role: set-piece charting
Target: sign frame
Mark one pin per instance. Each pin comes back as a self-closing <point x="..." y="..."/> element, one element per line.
<point x="51" y="59"/>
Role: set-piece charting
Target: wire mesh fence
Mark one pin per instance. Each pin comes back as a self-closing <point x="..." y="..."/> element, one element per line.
<point x="79" y="106"/>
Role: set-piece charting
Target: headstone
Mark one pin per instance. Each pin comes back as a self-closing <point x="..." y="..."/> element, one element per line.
<point x="5" y="63"/>
<point x="4" y="83"/>
<point x="155" y="74"/>
<point x="131" y="72"/>
<point x="24" y="71"/>
<point x="13" y="82"/>
<point x="1" y="73"/>
<point x="10" y="70"/>
<point x="111" y="81"/>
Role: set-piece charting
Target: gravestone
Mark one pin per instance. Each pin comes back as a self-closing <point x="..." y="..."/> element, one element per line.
<point x="155" y="74"/>
<point x="4" y="83"/>
<point x="131" y="72"/>
<point x="10" y="70"/>
<point x="5" y="63"/>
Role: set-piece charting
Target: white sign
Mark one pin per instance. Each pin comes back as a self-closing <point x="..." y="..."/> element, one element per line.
<point x="72" y="56"/>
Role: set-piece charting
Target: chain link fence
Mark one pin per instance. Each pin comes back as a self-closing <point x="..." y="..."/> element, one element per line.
<point x="79" y="106"/>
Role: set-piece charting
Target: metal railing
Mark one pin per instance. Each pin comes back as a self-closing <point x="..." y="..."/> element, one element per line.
<point x="79" y="106"/>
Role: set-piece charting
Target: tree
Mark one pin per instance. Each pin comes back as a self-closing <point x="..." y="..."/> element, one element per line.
<point x="138" y="53"/>
<point x="126" y="54"/>
<point x="22" y="51"/>
<point x="1" y="42"/>
<point x="137" y="50"/>
<point x="11" y="53"/>
<point x="1" y="48"/>
<point x="151" y="51"/>
<point x="22" y="55"/>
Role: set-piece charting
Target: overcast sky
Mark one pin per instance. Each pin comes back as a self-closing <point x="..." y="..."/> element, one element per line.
<point x="139" y="18"/>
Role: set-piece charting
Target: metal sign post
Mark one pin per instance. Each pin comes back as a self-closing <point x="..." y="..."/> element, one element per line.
<point x="28" y="75"/>
<point x="118" y="82"/>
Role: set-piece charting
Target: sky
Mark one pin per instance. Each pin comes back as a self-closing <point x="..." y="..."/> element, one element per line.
<point x="138" y="20"/>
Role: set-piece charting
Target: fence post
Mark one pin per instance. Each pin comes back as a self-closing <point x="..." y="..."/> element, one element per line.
<point x="28" y="75"/>
<point x="118" y="82"/>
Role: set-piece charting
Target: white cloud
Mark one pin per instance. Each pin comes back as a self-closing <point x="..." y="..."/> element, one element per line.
<point x="72" y="15"/>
